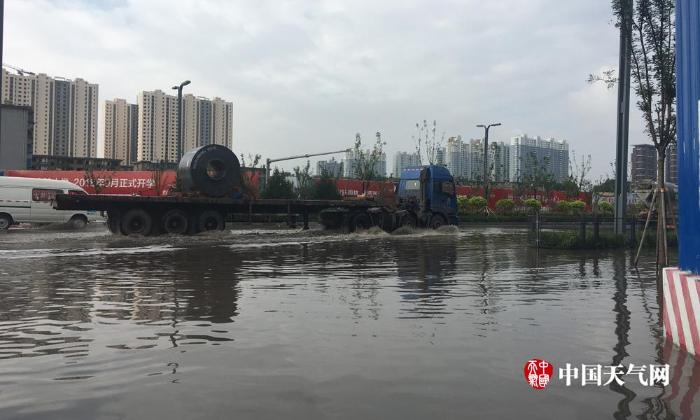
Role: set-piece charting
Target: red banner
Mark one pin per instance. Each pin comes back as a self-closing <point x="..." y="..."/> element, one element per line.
<point x="153" y="183"/>
<point x="144" y="183"/>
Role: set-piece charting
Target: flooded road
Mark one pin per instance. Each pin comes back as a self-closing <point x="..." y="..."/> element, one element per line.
<point x="298" y="325"/>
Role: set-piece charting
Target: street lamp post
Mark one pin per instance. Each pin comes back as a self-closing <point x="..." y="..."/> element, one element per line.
<point x="486" y="156"/>
<point x="179" y="117"/>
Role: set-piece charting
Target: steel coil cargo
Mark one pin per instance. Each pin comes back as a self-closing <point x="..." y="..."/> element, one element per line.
<point x="211" y="170"/>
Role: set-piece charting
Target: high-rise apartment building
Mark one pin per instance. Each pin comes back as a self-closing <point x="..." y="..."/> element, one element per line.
<point x="453" y="155"/>
<point x="403" y="160"/>
<point x="499" y="162"/>
<point x="475" y="159"/>
<point x="65" y="111"/>
<point x="528" y="153"/>
<point x="204" y="122"/>
<point x="157" y="137"/>
<point x="121" y="127"/>
<point x="331" y="168"/>
<point x="222" y="122"/>
<point x="643" y="164"/>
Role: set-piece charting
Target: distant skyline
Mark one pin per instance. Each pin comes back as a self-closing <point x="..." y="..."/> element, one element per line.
<point x="305" y="77"/>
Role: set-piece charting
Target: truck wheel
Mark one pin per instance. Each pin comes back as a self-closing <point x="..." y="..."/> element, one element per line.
<point x="409" y="220"/>
<point x="77" y="222"/>
<point x="113" y="222"/>
<point x="175" y="221"/>
<point x="211" y="220"/>
<point x="360" y="221"/>
<point x="136" y="222"/>
<point x="437" y="220"/>
<point x="5" y="221"/>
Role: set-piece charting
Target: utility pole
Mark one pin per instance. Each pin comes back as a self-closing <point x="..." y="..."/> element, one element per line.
<point x="623" y="115"/>
<point x="308" y="155"/>
<point x="486" y="156"/>
<point x="179" y="118"/>
<point x="2" y="33"/>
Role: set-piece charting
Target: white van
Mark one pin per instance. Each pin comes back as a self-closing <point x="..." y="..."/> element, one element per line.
<point x="30" y="200"/>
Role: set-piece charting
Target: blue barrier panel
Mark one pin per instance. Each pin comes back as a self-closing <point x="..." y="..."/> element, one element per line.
<point x="688" y="95"/>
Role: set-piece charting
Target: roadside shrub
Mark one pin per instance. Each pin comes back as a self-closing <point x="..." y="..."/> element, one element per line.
<point x="533" y="205"/>
<point x="577" y="207"/>
<point x="564" y="207"/>
<point x="505" y="206"/>
<point x="462" y="204"/>
<point x="477" y="204"/>
<point x="571" y="240"/>
<point x="605" y="208"/>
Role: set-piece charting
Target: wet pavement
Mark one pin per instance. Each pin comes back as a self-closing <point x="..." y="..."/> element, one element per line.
<point x="289" y="324"/>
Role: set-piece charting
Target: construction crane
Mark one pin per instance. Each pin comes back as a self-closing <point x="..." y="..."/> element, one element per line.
<point x="308" y="155"/>
<point x="22" y="72"/>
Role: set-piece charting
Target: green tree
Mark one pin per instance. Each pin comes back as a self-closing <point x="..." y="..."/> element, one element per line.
<point x="279" y="187"/>
<point x="366" y="161"/>
<point x="579" y="168"/>
<point x="326" y="189"/>
<point x="653" y="60"/>
<point x="426" y="139"/>
<point x="305" y="184"/>
<point x="604" y="185"/>
<point x="538" y="177"/>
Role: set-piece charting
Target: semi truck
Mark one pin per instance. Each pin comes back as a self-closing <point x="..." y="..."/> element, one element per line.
<point x="208" y="191"/>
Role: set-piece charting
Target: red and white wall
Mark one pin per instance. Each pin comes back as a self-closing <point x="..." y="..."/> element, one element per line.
<point x="681" y="309"/>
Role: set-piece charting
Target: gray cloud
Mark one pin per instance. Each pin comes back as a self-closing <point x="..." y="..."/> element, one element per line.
<point x="305" y="76"/>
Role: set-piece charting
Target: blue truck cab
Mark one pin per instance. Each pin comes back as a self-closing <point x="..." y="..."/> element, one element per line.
<point x="427" y="195"/>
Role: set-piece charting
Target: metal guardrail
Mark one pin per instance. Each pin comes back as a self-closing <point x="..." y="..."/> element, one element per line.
<point x="584" y="227"/>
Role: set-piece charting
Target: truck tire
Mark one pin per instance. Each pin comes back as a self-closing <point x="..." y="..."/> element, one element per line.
<point x="210" y="220"/>
<point x="78" y="221"/>
<point x="176" y="222"/>
<point x="409" y="220"/>
<point x="5" y="221"/>
<point x="437" y="220"/>
<point x="136" y="222"/>
<point x="360" y="221"/>
<point x="113" y="222"/>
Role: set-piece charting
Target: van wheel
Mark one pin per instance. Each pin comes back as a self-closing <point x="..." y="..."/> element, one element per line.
<point x="175" y="221"/>
<point x="211" y="220"/>
<point x="136" y="222"/>
<point x="5" y="221"/>
<point x="77" y="222"/>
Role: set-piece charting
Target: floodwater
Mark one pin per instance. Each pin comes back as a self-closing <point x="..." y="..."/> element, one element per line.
<point x="303" y="325"/>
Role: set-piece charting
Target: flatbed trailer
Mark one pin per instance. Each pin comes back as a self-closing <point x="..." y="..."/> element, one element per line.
<point x="191" y="214"/>
<point x="209" y="177"/>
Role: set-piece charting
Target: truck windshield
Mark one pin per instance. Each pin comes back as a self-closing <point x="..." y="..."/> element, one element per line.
<point x="412" y="184"/>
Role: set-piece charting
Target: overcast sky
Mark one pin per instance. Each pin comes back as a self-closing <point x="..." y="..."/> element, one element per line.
<point x="305" y="76"/>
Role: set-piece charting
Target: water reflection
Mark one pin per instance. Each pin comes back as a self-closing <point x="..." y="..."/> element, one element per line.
<point x="622" y="328"/>
<point x="324" y="318"/>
